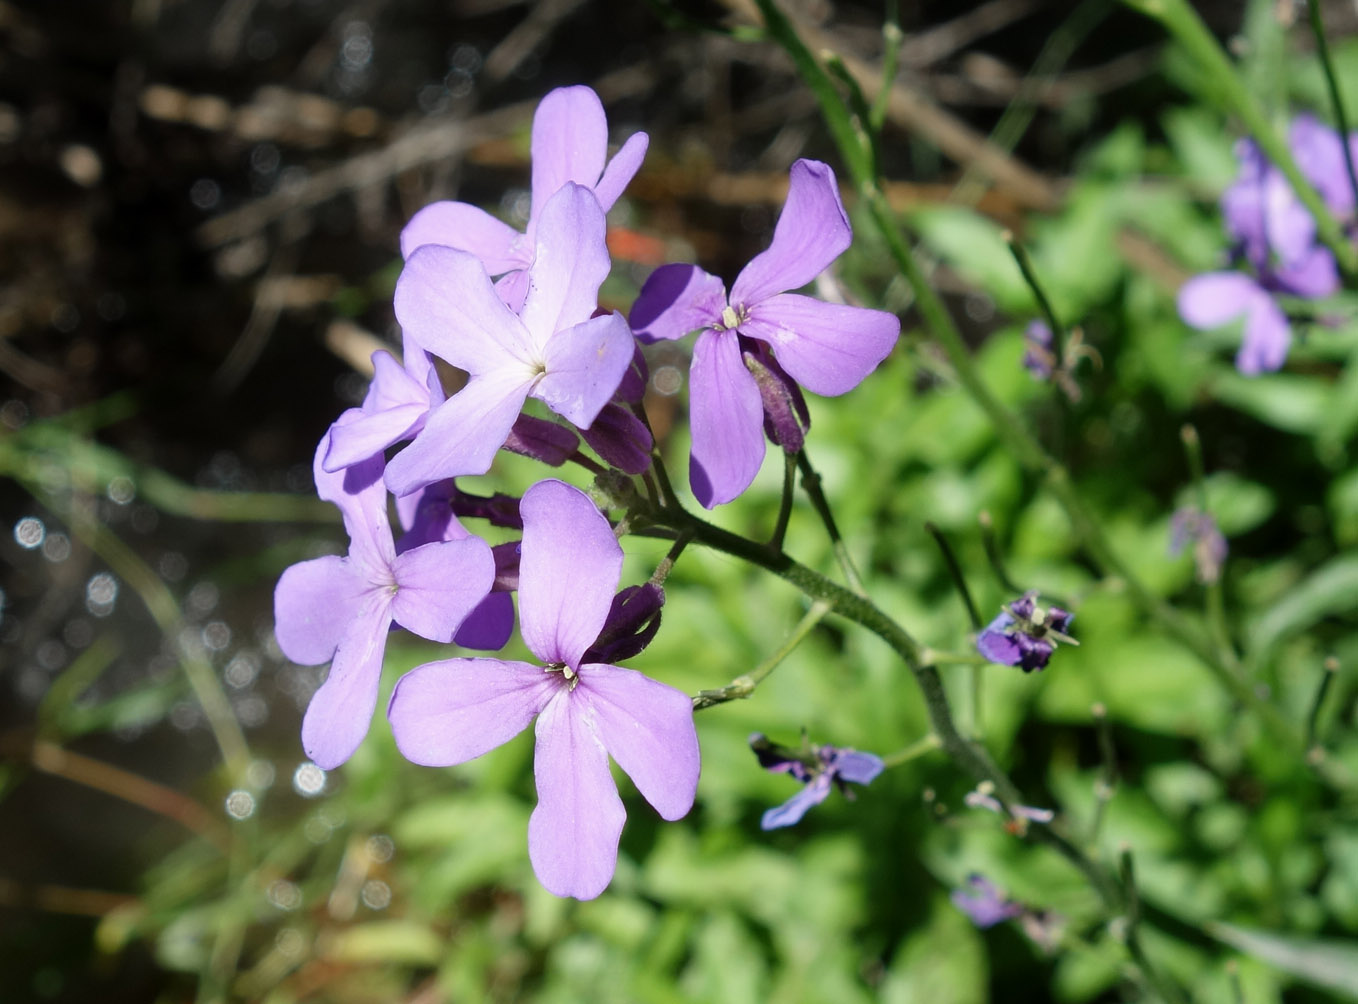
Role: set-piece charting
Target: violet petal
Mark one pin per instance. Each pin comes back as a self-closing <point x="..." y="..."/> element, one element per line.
<point x="727" y="419"/>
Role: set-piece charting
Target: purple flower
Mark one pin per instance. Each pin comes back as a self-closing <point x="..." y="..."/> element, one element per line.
<point x="341" y="609"/>
<point x="984" y="798"/>
<point x="983" y="903"/>
<point x="1276" y="236"/>
<point x="1191" y="525"/>
<point x="555" y="350"/>
<point x="828" y="348"/>
<point x="398" y="401"/>
<point x="817" y="767"/>
<point x="1024" y="634"/>
<point x="569" y="144"/>
<point x="449" y="712"/>
<point x="1037" y="356"/>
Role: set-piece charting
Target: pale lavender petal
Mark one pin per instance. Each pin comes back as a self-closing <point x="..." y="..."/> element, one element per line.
<point x="585" y="363"/>
<point x="676" y="300"/>
<point x="999" y="643"/>
<point x="356" y="435"/>
<point x="570" y="142"/>
<point x="313" y="604"/>
<point x="571" y="263"/>
<point x="438" y="585"/>
<point x="447" y="305"/>
<point x="647" y="728"/>
<point x="858" y="767"/>
<point x="1216" y="298"/>
<point x="1320" y="155"/>
<point x="1313" y="275"/>
<point x="812" y="231"/>
<point x="828" y="348"/>
<point x="621" y="170"/>
<point x="568" y="571"/>
<point x="362" y="500"/>
<point x="727" y="419"/>
<point x="1290" y="227"/>
<point x="796" y="807"/>
<point x="454" y="710"/>
<point x="512" y="289"/>
<point x="500" y="247"/>
<point x="1267" y="337"/>
<point x="461" y="435"/>
<point x="489" y="625"/>
<point x="340" y="712"/>
<point x="574" y="830"/>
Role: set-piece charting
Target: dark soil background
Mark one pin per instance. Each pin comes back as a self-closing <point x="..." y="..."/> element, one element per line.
<point x="199" y="210"/>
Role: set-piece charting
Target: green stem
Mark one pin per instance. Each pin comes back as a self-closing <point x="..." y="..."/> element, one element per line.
<point x="811" y="484"/>
<point x="1025" y="265"/>
<point x="1186" y="26"/>
<point x="914" y="751"/>
<point x="744" y="685"/>
<point x="785" y="504"/>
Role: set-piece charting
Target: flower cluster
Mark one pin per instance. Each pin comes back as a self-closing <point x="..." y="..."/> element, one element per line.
<point x="519" y="314"/>
<point x="1274" y="237"/>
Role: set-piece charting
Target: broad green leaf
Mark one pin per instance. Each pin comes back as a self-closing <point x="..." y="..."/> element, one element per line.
<point x="1331" y="589"/>
<point x="1332" y="965"/>
<point x="402" y="942"/>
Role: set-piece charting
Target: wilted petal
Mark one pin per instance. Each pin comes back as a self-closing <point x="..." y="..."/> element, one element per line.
<point x="647" y="728"/>
<point x="439" y="584"/>
<point x="570" y="142"/>
<point x="1268" y="336"/>
<point x="446" y="303"/>
<point x="571" y="263"/>
<point x="727" y="419"/>
<point x="585" y="363"/>
<point x="620" y="438"/>
<point x="828" y="348"/>
<point x="489" y="625"/>
<point x="676" y="300"/>
<point x="454" y="710"/>
<point x="796" y="807"/>
<point x="999" y="642"/>
<point x="574" y="830"/>
<point x="568" y="570"/>
<point x="313" y="604"/>
<point x="812" y="231"/>
<point x="499" y="246"/>
<point x="1211" y="300"/>
<point x="540" y="439"/>
<point x="462" y="434"/>
<point x="621" y="169"/>
<point x="340" y="712"/>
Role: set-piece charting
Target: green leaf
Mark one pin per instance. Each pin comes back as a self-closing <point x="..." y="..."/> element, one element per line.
<point x="971" y="244"/>
<point x="1331" y="589"/>
<point x="1332" y="965"/>
<point x="1291" y="403"/>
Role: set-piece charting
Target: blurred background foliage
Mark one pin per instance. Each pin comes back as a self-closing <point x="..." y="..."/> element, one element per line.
<point x="199" y="205"/>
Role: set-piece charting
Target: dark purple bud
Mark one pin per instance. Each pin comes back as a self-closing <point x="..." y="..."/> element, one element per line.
<point x="631" y="625"/>
<point x="498" y="509"/>
<point x="620" y="438"/>
<point x="633" y="386"/>
<point x="541" y="440"/>
<point x="506" y="567"/>
<point x="786" y="418"/>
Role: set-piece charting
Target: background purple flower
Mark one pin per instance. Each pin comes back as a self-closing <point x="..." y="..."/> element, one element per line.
<point x="819" y="768"/>
<point x="983" y="903"/>
<point x="448" y="712"/>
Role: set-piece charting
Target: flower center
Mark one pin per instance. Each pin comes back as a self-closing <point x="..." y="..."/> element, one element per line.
<point x="731" y="318"/>
<point x="569" y="675"/>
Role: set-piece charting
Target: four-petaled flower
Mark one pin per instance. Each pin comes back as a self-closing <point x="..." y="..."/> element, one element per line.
<point x="983" y="902"/>
<point x="554" y="350"/>
<point x="340" y="609"/>
<point x="817" y="767"/>
<point x="569" y="144"/>
<point x="452" y="711"/>
<point x="1024" y="634"/>
<point x="828" y="348"/>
